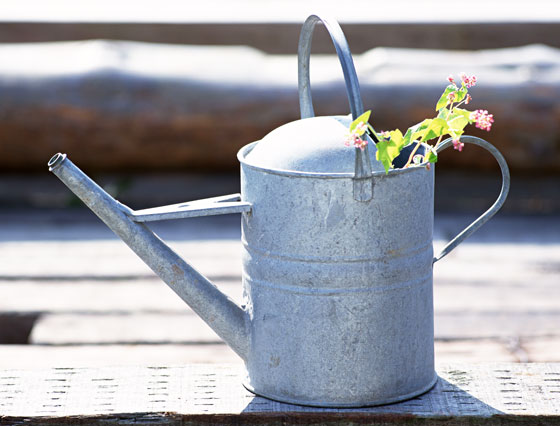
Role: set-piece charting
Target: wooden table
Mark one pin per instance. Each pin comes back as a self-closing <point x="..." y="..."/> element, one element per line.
<point x="499" y="393"/>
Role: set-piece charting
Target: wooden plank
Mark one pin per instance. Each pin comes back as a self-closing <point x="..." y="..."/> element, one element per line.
<point x="506" y="265"/>
<point x="197" y="394"/>
<point x="104" y="296"/>
<point x="118" y="329"/>
<point x="90" y="307"/>
<point x="473" y="263"/>
<point x="507" y="252"/>
<point x="546" y="349"/>
<point x="542" y="349"/>
<point x="457" y="324"/>
<point x="474" y="351"/>
<point x="151" y="294"/>
<point x="185" y="327"/>
<point x="111" y="258"/>
<point x="99" y="355"/>
<point x="476" y="296"/>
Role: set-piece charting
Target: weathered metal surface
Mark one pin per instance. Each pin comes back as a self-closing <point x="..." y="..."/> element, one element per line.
<point x="496" y="393"/>
<point x="115" y="108"/>
<point x="334" y="278"/>
<point x="313" y="145"/>
<point x="326" y="271"/>
<point x="225" y="204"/>
<point x="225" y="317"/>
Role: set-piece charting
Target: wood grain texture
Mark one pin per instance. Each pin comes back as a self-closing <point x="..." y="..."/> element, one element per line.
<point x="199" y="394"/>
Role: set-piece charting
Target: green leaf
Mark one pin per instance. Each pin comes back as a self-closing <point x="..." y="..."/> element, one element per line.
<point x="397" y="139"/>
<point x="443" y="100"/>
<point x="465" y="113"/>
<point x="456" y="135"/>
<point x="419" y="130"/>
<point x="429" y="129"/>
<point x="444" y="113"/>
<point x="460" y="95"/>
<point x="407" y="140"/>
<point x="436" y="128"/>
<point x="457" y="122"/>
<point x="388" y="150"/>
<point x="431" y="156"/>
<point x="364" y="118"/>
<point x="383" y="155"/>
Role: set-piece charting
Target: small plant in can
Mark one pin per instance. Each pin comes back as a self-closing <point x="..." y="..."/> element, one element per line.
<point x="451" y="121"/>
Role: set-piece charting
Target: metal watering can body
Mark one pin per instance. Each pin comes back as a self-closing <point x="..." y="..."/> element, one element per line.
<point x="337" y="258"/>
<point x="340" y="299"/>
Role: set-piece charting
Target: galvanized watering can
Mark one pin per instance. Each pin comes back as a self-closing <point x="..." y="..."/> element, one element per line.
<point x="338" y="308"/>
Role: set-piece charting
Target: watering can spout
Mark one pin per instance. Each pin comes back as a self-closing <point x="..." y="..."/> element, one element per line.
<point x="223" y="315"/>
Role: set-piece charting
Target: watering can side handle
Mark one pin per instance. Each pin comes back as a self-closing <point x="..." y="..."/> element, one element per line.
<point x="363" y="189"/>
<point x="225" y="204"/>
<point x="473" y="227"/>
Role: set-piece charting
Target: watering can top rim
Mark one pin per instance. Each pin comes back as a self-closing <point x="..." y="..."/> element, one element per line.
<point x="299" y="149"/>
<point x="310" y="145"/>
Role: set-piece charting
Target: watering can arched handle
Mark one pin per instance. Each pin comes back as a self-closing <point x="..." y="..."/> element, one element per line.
<point x="473" y="227"/>
<point x="362" y="176"/>
<point x="344" y="56"/>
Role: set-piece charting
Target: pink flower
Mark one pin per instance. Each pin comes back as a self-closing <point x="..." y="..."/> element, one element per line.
<point x="458" y="145"/>
<point x="468" y="81"/>
<point x="353" y="138"/>
<point x="451" y="97"/>
<point x="360" y="143"/>
<point x="482" y="119"/>
<point x="450" y="79"/>
<point x="468" y="99"/>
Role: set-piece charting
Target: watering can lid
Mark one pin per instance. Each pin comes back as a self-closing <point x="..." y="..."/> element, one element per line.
<point x="314" y="145"/>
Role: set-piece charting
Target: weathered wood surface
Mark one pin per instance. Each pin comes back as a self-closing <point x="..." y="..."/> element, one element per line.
<point x="80" y="297"/>
<point x="497" y="393"/>
<point x="115" y="105"/>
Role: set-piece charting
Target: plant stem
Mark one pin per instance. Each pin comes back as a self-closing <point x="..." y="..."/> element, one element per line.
<point x="416" y="149"/>
<point x="412" y="155"/>
<point x="438" y="142"/>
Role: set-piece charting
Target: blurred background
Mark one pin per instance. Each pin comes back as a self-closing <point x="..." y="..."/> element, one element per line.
<point x="154" y="99"/>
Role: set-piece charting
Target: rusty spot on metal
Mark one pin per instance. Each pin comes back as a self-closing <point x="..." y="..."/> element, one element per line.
<point x="274" y="361"/>
<point x="177" y="271"/>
